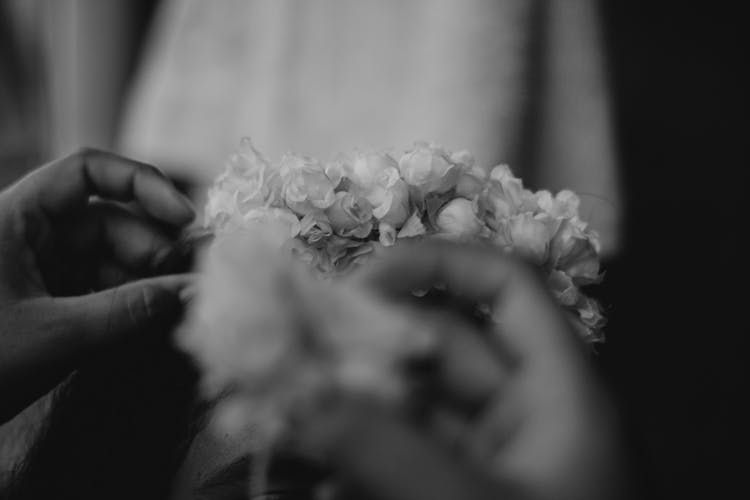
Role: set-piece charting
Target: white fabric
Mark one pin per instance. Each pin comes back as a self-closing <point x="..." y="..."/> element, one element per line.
<point x="322" y="76"/>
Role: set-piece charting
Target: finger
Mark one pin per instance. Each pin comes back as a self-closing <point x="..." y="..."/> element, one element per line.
<point x="68" y="183"/>
<point x="131" y="242"/>
<point x="140" y="306"/>
<point x="469" y="370"/>
<point x="55" y="334"/>
<point x="526" y="318"/>
<point x="387" y="459"/>
<point x="110" y="274"/>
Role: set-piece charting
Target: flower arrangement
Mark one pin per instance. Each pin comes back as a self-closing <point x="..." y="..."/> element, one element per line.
<point x="332" y="217"/>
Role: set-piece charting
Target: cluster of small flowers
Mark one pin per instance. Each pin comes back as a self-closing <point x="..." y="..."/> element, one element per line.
<point x="334" y="215"/>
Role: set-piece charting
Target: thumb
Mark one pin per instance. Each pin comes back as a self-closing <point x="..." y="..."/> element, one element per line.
<point x="128" y="309"/>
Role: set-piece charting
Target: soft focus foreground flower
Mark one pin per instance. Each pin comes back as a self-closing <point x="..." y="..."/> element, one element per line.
<point x="281" y="338"/>
<point x="274" y="225"/>
<point x="236" y="326"/>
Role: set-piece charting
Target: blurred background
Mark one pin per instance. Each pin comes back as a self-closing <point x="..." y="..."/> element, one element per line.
<point x="638" y="106"/>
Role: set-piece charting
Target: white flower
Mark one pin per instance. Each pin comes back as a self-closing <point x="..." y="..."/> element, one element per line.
<point x="235" y="327"/>
<point x="457" y="220"/>
<point x="431" y="169"/>
<point x="395" y="209"/>
<point x="503" y="197"/>
<point x="563" y="288"/>
<point x="412" y="227"/>
<point x="307" y="187"/>
<point x="375" y="177"/>
<point x="350" y="215"/>
<point x="565" y="204"/>
<point x="590" y="320"/>
<point x="249" y="181"/>
<point x="530" y="235"/>
<point x="472" y="182"/>
<point x="315" y="227"/>
<point x="575" y="251"/>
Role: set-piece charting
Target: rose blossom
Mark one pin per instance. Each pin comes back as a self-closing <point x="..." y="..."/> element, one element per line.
<point x="393" y="212"/>
<point x="376" y="178"/>
<point x="564" y="204"/>
<point x="431" y="169"/>
<point x="530" y="235"/>
<point x="502" y="197"/>
<point x="315" y="227"/>
<point x="458" y="220"/>
<point x="472" y="182"/>
<point x="350" y="215"/>
<point x="576" y="251"/>
<point x="307" y="187"/>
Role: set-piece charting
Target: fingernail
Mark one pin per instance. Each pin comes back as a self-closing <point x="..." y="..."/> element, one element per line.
<point x="188" y="293"/>
<point x="187" y="206"/>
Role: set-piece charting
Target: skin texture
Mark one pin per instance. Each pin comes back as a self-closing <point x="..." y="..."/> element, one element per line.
<point x="78" y="268"/>
<point x="515" y="412"/>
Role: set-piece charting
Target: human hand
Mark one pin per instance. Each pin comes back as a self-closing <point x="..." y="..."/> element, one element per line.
<point x="517" y="410"/>
<point x="78" y="267"/>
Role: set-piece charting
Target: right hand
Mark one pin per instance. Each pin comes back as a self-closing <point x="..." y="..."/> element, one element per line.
<point x="526" y="410"/>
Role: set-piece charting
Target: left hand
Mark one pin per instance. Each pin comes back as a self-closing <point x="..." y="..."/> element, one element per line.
<point x="78" y="268"/>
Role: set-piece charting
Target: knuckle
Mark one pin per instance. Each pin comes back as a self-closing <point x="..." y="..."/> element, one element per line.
<point x="140" y="305"/>
<point x="146" y="170"/>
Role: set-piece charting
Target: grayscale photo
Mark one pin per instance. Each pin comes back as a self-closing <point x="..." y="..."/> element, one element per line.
<point x="373" y="249"/>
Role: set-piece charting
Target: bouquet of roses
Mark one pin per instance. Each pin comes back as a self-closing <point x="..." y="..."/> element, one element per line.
<point x="275" y="319"/>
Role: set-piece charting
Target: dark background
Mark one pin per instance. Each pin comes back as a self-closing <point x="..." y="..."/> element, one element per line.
<point x="677" y="338"/>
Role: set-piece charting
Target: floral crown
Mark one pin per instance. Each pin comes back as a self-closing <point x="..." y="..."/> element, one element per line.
<point x="280" y="339"/>
<point x="334" y="215"/>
